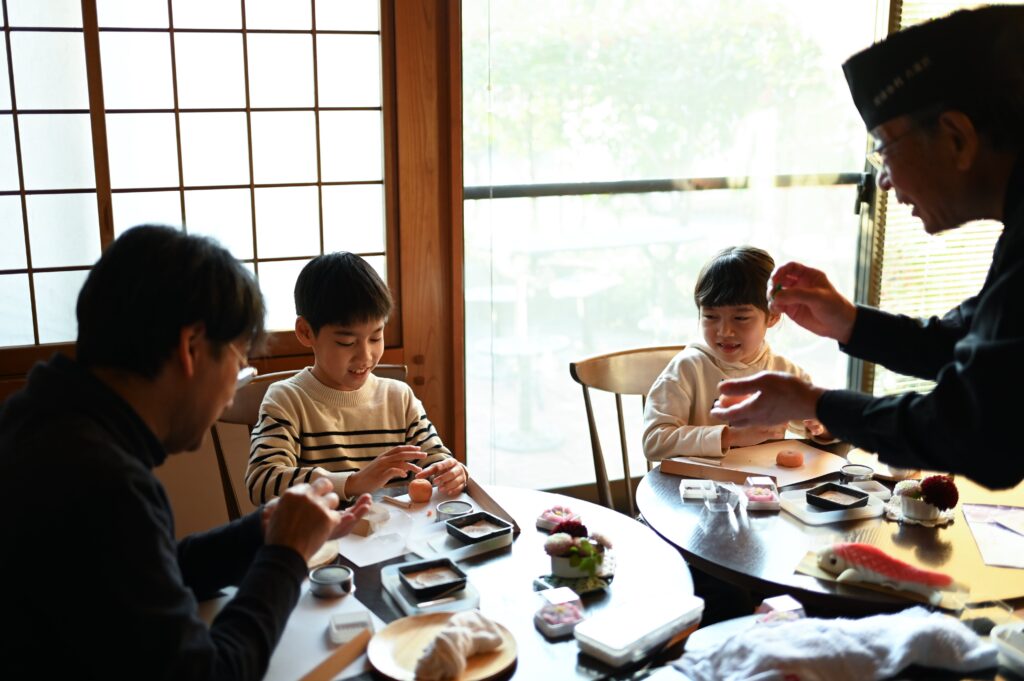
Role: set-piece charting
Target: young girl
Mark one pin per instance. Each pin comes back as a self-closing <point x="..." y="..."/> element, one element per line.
<point x="731" y="296"/>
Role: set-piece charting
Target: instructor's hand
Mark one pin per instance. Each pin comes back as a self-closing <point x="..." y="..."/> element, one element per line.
<point x="304" y="517"/>
<point x="807" y="297"/>
<point x="780" y="398"/>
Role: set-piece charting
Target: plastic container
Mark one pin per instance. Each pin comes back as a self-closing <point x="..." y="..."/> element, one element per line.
<point x="427" y="579"/>
<point x="690" y="488"/>
<point x="344" y="626"/>
<point x="625" y="635"/>
<point x="721" y="499"/>
<point x="761" y="493"/>
<point x="833" y="497"/>
<point x="331" y="581"/>
<point x="1009" y="638"/>
<point x="560" y="611"/>
<point x="477" y="527"/>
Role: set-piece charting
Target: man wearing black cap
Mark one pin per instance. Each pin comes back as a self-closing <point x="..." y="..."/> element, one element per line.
<point x="945" y="103"/>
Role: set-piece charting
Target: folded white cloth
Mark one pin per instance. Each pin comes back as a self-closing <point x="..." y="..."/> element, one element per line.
<point x="833" y="649"/>
<point x="466" y="634"/>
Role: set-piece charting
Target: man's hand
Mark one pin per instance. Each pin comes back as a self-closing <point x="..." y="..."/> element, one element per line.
<point x="394" y="463"/>
<point x="807" y="297"/>
<point x="450" y="476"/>
<point x="781" y="398"/>
<point x="304" y="517"/>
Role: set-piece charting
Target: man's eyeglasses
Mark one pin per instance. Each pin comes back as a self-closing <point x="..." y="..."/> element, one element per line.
<point x="877" y="156"/>
<point x="246" y="373"/>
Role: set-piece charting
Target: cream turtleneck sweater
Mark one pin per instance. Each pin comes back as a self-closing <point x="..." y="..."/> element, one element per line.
<point x="677" y="419"/>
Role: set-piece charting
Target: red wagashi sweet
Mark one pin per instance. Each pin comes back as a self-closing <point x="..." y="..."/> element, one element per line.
<point x="869" y="564"/>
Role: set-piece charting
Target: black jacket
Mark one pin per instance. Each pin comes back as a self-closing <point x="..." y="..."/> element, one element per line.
<point x="971" y="422"/>
<point x="95" y="584"/>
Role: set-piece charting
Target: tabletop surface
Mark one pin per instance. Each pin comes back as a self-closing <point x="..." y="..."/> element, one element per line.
<point x="647" y="570"/>
<point x="760" y="550"/>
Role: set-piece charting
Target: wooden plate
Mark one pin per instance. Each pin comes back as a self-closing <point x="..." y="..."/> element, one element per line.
<point x="326" y="554"/>
<point x="394" y="650"/>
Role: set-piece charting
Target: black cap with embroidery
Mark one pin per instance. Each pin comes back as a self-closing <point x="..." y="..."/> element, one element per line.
<point x="937" y="63"/>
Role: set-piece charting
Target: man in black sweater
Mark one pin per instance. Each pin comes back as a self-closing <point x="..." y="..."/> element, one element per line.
<point x="96" y="585"/>
<point x="945" y="103"/>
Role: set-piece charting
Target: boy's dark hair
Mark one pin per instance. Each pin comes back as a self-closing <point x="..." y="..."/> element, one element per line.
<point x="152" y="282"/>
<point x="737" y="275"/>
<point x="340" y="288"/>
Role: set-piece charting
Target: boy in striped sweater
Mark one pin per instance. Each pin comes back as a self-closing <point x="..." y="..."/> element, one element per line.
<point x="336" y="419"/>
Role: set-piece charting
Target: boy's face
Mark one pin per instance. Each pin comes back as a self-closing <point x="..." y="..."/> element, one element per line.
<point x="735" y="332"/>
<point x="345" y="353"/>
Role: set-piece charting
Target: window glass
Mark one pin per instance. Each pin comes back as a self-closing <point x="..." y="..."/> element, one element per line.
<point x="211" y="72"/>
<point x="207" y="14"/>
<point x="287" y="221"/>
<point x="12" y="234"/>
<point x="143" y="150"/>
<point x="280" y="70"/>
<point x="62" y="229"/>
<point x="284" y="147"/>
<point x="224" y="214"/>
<point x="274" y="14"/>
<point x="354" y="218"/>
<point x="56" y="151"/>
<point x="15" y="310"/>
<point x="277" y="281"/>
<point x="351" y="147"/>
<point x="8" y="155"/>
<point x="136" y="70"/>
<point x="49" y="70"/>
<point x="139" y="208"/>
<point x="49" y="14"/>
<point x="214" y="149"/>
<point x="132" y="13"/>
<point x="56" y="296"/>
<point x="349" y="87"/>
<point x="347" y="15"/>
<point x="575" y="92"/>
<point x="5" y="81"/>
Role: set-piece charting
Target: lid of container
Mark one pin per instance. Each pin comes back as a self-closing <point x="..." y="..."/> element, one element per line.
<point x="639" y="625"/>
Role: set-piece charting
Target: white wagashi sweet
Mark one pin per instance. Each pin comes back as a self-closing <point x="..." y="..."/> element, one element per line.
<point x="466" y="634"/>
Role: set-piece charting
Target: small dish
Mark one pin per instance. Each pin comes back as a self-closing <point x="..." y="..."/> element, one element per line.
<point x="559" y="613"/>
<point x="835" y="497"/>
<point x="429" y="579"/>
<point x="447" y="510"/>
<point x="874" y="488"/>
<point x="855" y="472"/>
<point x="330" y="581"/>
<point x="476" y="527"/>
<point x="721" y="499"/>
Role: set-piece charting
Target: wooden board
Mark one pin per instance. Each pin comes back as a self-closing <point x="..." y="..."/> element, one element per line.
<point x="741" y="462"/>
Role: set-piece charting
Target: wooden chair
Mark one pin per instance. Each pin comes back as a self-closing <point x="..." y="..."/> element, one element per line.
<point x="629" y="372"/>
<point x="233" y="455"/>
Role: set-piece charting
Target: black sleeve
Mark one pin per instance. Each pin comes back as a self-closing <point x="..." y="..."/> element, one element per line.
<point x="148" y="625"/>
<point x="968" y="424"/>
<point x="211" y="560"/>
<point x="906" y="345"/>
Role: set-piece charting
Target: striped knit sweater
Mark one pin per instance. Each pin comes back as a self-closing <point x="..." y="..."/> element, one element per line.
<point x="305" y="425"/>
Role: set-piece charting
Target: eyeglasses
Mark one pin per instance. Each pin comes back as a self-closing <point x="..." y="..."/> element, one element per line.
<point x="246" y="373"/>
<point x="877" y="156"/>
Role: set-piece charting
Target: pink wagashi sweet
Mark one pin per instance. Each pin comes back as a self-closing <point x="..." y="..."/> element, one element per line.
<point x="555" y="515"/>
<point x="868" y="564"/>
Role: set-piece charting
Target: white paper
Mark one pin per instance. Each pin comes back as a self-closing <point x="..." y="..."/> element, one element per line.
<point x="400" y="534"/>
<point x="999" y="545"/>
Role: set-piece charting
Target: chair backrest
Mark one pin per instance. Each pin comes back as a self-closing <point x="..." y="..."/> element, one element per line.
<point x="629" y="372"/>
<point x="233" y="450"/>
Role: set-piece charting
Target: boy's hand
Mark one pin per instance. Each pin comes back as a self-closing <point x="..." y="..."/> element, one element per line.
<point x="450" y="476"/>
<point x="394" y="463"/>
<point x="751" y="435"/>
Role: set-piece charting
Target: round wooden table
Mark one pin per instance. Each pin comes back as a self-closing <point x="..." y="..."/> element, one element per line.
<point x="760" y="550"/>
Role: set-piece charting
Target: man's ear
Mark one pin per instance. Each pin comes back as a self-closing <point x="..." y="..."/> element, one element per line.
<point x="187" y="351"/>
<point x="962" y="136"/>
<point x="304" y="332"/>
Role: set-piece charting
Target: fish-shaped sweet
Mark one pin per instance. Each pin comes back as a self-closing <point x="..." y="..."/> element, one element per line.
<point x="868" y="564"/>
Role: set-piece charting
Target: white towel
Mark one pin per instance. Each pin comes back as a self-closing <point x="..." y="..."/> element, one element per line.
<point x="833" y="649"/>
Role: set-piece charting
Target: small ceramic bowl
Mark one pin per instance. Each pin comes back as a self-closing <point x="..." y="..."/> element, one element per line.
<point x="447" y="510"/>
<point x="855" y="472"/>
<point x="918" y="509"/>
<point x="330" y="581"/>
